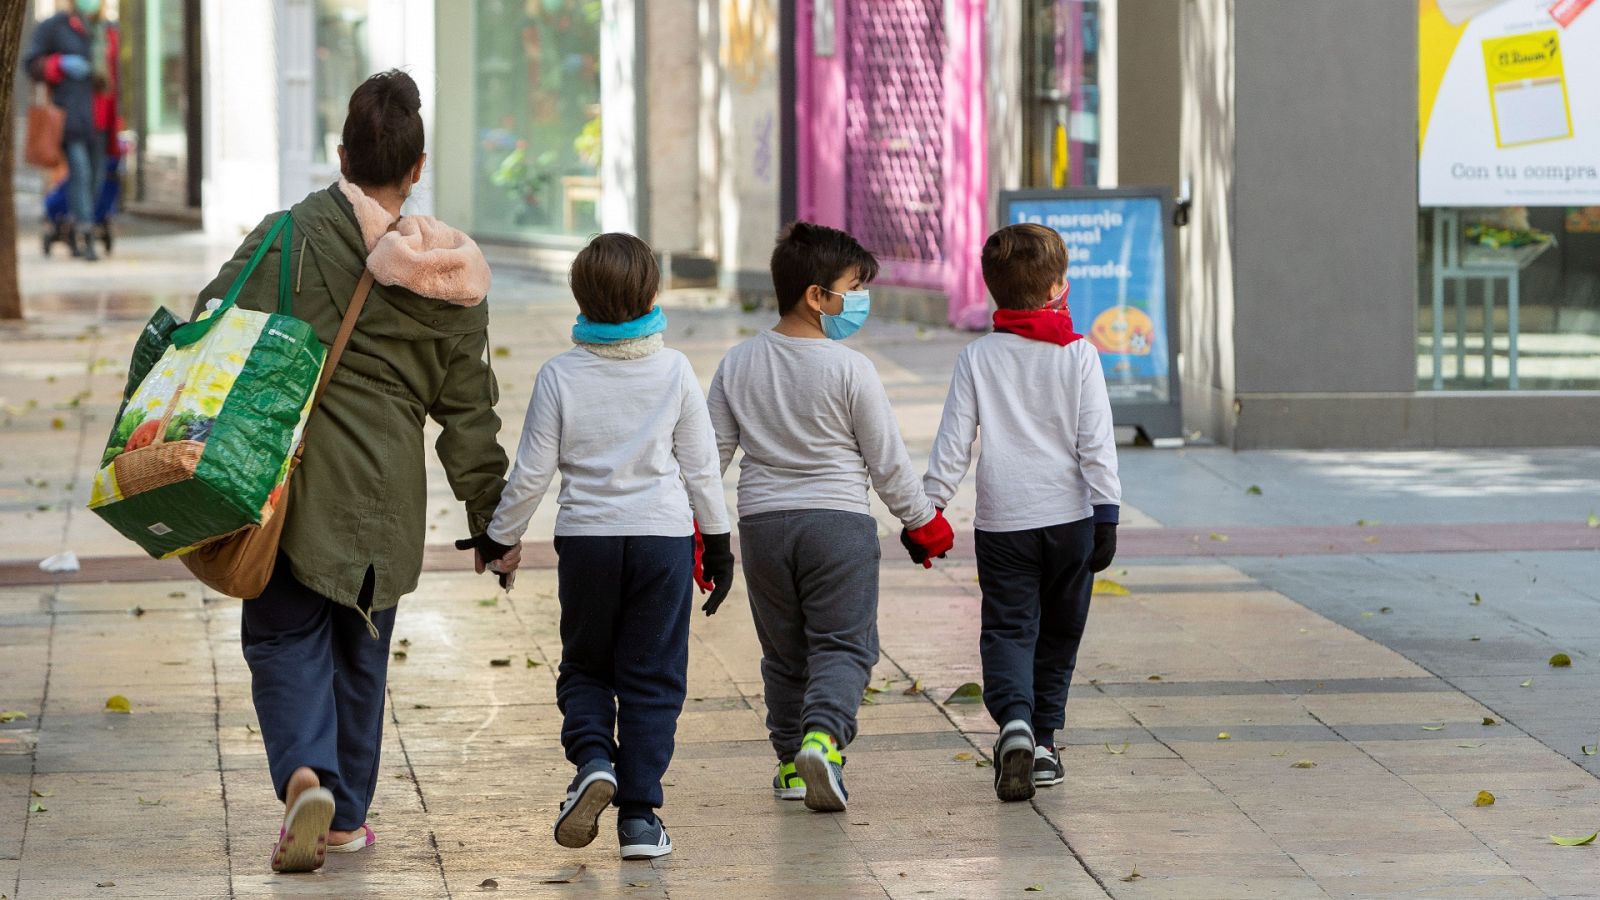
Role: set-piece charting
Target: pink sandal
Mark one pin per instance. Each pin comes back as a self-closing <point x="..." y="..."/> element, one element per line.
<point x="303" y="839"/>
<point x="353" y="845"/>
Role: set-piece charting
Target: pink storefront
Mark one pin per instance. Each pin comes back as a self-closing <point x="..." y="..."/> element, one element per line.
<point x="892" y="142"/>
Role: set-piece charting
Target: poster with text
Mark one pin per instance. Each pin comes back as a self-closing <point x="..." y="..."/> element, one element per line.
<point x="1117" y="269"/>
<point x="1508" y="96"/>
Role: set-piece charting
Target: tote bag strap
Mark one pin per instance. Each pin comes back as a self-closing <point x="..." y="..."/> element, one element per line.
<point x="281" y="231"/>
<point x="346" y="328"/>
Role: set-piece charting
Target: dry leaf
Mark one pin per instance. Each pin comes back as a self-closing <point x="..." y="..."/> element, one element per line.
<point x="1489" y="720"/>
<point x="1475" y="638"/>
<point x="1590" y="749"/>
<point x="500" y="663"/>
<point x="1433" y="728"/>
<point x="1117" y="751"/>
<point x="1105" y="587"/>
<point x="11" y="715"/>
<point x="105" y="884"/>
<point x="1281" y="753"/>
<point x="502" y="352"/>
<point x="404" y="642"/>
<point x="1224" y="736"/>
<point x="118" y="704"/>
<point x="1034" y="888"/>
<point x="1367" y="615"/>
<point x="1253" y="490"/>
<point x="1574" y="841"/>
<point x="43" y="793"/>
<point x="1560" y="661"/>
<point x="962" y="757"/>
<point x="983" y="764"/>
<point x="1528" y="683"/>
<point x="58" y="423"/>
<point x="1386" y="609"/>
<point x="399" y="654"/>
<point x="967" y="693"/>
<point x="1484" y="799"/>
<point x="491" y="601"/>
<point x="568" y="878"/>
<point x="156" y="802"/>
<point x="1133" y="876"/>
<point x="1476" y="600"/>
<point x="1218" y="537"/>
<point x="488" y="884"/>
<point x="916" y="688"/>
<point x="1303" y="764"/>
<point x="1593" y="521"/>
<point x="36" y="807"/>
<point x="1470" y="746"/>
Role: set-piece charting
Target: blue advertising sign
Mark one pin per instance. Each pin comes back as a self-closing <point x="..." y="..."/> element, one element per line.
<point x="1121" y="295"/>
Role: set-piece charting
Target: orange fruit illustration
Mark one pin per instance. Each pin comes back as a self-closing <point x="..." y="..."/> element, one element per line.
<point x="1123" y="330"/>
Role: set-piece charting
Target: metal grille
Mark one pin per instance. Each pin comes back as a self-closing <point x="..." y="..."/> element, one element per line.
<point x="894" y="128"/>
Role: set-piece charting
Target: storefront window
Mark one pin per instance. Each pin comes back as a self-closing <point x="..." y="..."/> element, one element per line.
<point x="164" y="69"/>
<point x="1061" y="124"/>
<point x="537" y="89"/>
<point x="1509" y="229"/>
<point x="341" y="67"/>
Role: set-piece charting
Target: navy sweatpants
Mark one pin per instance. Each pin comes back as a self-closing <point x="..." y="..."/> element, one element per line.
<point x="1036" y="586"/>
<point x="625" y="605"/>
<point x="318" y="679"/>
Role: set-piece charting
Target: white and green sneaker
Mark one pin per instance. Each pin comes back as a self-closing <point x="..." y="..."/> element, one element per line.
<point x="787" y="784"/>
<point x="821" y="768"/>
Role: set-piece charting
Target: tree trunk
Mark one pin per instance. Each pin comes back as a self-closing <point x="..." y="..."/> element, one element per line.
<point x="12" y="18"/>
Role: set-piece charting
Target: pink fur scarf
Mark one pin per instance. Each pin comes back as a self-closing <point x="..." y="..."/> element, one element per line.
<point x="420" y="253"/>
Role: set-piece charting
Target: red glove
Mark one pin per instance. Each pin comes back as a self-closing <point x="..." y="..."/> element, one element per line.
<point x="700" y="561"/>
<point x="933" y="539"/>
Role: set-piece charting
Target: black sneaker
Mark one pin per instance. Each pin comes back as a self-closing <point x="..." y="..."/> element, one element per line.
<point x="643" y="838"/>
<point x="1013" y="761"/>
<point x="1047" y="769"/>
<point x="590" y="793"/>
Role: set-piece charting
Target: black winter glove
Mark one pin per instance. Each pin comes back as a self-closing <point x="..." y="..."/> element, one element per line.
<point x="919" y="554"/>
<point x="489" y="550"/>
<point x="716" y="567"/>
<point x="1105" y="546"/>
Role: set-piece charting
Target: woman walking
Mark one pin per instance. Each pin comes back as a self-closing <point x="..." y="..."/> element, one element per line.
<point x="317" y="640"/>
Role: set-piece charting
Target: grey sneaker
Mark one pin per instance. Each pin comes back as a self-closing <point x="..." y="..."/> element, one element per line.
<point x="1047" y="768"/>
<point x="578" y="823"/>
<point x="643" y="838"/>
<point x="1013" y="761"/>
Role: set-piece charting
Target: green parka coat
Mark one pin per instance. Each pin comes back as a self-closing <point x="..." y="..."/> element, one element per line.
<point x="359" y="497"/>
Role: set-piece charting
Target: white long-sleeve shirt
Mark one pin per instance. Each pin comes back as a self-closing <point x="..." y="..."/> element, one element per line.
<point x="632" y="442"/>
<point x="815" y="424"/>
<point x="1049" y="455"/>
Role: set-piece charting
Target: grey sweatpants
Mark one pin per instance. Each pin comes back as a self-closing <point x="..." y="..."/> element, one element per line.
<point x="812" y="577"/>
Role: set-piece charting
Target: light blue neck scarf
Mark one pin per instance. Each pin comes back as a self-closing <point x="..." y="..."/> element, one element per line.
<point x="587" y="332"/>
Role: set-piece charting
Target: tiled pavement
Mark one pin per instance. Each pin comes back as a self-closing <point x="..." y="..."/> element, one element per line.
<point x="1359" y="661"/>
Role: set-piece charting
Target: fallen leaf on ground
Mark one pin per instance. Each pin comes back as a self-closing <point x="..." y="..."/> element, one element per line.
<point x="1484" y="799"/>
<point x="1593" y="521"/>
<point x="156" y="802"/>
<point x="872" y="690"/>
<point x="1117" y="751"/>
<point x="58" y="423"/>
<point x="915" y="688"/>
<point x="1153" y="678"/>
<point x="1433" y="728"/>
<point x="43" y="793"/>
<point x="502" y="352"/>
<point x="1219" y="537"/>
<point x="399" y="654"/>
<point x="118" y="704"/>
<point x="533" y="663"/>
<point x="492" y="601"/>
<point x="36" y="806"/>
<point x="1476" y="600"/>
<point x="568" y="878"/>
<point x="967" y="693"/>
<point x="1367" y="615"/>
<point x="1362" y="523"/>
<point x="1386" y="609"/>
<point x="136" y="612"/>
<point x="1281" y="753"/>
<point x="1490" y="720"/>
<point x="1133" y="876"/>
<point x="1590" y="749"/>
<point x="488" y="884"/>
<point x="1474" y="638"/>
<point x="1253" y="490"/>
<point x="1035" y="888"/>
<point x="983" y="764"/>
<point x="1470" y="746"/>
<point x="1560" y="661"/>
<point x="1574" y="841"/>
<point x="1224" y="736"/>
<point x="962" y="757"/>
<point x="105" y="884"/>
<point x="404" y="642"/>
<point x="1528" y="683"/>
<point x="1108" y="588"/>
<point x="500" y="663"/>
<point x="11" y="715"/>
<point x="1303" y="764"/>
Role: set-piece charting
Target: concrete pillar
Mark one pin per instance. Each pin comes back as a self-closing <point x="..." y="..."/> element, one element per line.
<point x="624" y="97"/>
<point x="749" y="141"/>
<point x="239" y="181"/>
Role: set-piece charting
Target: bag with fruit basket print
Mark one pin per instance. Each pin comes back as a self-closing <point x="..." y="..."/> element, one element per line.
<point x="198" y="462"/>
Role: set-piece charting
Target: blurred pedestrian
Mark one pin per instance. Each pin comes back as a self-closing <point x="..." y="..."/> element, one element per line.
<point x="317" y="640"/>
<point x="74" y="53"/>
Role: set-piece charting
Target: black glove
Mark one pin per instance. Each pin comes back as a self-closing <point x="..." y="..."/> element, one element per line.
<point x="919" y="554"/>
<point x="1105" y="546"/>
<point x="716" y="563"/>
<point x="489" y="550"/>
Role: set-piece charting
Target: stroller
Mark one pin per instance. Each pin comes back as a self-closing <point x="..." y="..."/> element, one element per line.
<point x="58" y="215"/>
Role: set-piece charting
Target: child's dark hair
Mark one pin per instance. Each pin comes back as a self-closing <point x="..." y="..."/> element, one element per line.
<point x="383" y="130"/>
<point x="809" y="254"/>
<point x="615" y="278"/>
<point x="1021" y="263"/>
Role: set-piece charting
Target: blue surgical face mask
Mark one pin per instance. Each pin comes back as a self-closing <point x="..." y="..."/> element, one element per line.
<point x="857" y="304"/>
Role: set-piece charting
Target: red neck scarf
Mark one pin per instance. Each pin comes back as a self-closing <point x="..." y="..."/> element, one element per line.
<point x="1051" y="325"/>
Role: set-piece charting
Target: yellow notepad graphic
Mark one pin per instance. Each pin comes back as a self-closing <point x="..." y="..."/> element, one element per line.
<point x="1527" y="88"/>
